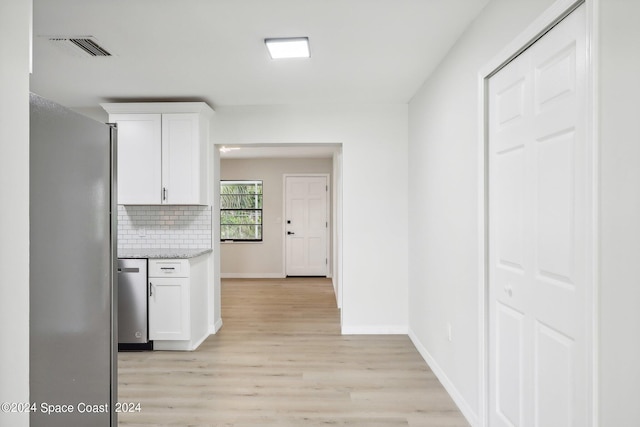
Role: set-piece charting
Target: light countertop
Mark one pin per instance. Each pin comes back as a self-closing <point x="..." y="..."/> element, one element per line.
<point x="172" y="253"/>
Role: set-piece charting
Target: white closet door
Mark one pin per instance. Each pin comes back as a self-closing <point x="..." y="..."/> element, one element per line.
<point x="538" y="231"/>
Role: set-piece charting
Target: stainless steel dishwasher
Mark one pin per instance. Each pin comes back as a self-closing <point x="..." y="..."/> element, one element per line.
<point x="133" y="324"/>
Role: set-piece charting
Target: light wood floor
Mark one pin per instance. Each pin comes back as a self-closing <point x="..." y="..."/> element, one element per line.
<point x="280" y="360"/>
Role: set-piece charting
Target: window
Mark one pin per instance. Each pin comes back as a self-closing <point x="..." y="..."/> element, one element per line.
<point x="241" y="211"/>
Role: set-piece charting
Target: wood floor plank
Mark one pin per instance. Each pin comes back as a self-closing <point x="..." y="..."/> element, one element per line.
<point x="280" y="360"/>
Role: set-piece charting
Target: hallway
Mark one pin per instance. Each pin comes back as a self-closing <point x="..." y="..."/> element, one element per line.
<point x="279" y="360"/>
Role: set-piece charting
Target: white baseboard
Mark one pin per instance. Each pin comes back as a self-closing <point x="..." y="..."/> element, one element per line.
<point x="187" y="345"/>
<point x="374" y="330"/>
<point x="200" y="341"/>
<point x="213" y="329"/>
<point x="252" y="276"/>
<point x="172" y="345"/>
<point x="458" y="399"/>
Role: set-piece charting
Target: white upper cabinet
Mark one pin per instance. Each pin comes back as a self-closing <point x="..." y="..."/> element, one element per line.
<point x="163" y="152"/>
<point x="181" y="153"/>
<point x="139" y="158"/>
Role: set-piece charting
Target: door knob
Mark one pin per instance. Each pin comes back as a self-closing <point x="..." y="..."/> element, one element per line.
<point x="508" y="290"/>
<point x="290" y="232"/>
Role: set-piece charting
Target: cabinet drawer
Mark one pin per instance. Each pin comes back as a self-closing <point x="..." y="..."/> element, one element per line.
<point x="168" y="268"/>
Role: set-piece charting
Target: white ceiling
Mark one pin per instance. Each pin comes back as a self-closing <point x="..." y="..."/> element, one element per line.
<point x="363" y="51"/>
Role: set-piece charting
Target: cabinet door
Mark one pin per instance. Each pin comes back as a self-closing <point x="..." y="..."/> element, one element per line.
<point x="169" y="309"/>
<point x="181" y="158"/>
<point x="139" y="158"/>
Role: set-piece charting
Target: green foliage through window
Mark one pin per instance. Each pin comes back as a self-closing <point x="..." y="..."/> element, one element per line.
<point x="241" y="210"/>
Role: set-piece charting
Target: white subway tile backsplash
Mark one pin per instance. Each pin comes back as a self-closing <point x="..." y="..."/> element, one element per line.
<point x="170" y="227"/>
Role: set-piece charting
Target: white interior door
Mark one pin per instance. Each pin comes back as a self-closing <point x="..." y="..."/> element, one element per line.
<point x="306" y="225"/>
<point x="538" y="234"/>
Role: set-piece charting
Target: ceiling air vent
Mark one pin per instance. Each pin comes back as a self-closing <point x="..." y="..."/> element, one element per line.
<point x="80" y="46"/>
<point x="91" y="47"/>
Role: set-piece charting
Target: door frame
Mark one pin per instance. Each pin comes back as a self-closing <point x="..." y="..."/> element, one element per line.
<point x="328" y="242"/>
<point x="554" y="14"/>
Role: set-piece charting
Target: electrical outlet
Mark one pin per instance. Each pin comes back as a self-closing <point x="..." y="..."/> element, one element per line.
<point x="449" y="335"/>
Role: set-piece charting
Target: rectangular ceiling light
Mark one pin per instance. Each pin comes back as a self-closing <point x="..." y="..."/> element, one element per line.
<point x="292" y="47"/>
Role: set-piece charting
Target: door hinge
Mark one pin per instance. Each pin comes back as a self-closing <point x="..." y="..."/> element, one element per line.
<point x="326" y="261"/>
<point x="326" y="188"/>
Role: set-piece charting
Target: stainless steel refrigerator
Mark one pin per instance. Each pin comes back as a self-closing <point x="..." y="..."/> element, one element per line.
<point x="73" y="330"/>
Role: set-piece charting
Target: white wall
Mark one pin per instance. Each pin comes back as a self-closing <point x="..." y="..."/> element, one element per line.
<point x="374" y="158"/>
<point x="264" y="259"/>
<point x="443" y="201"/>
<point x="15" y="16"/>
<point x="336" y="180"/>
<point x="215" y="304"/>
<point x="619" y="300"/>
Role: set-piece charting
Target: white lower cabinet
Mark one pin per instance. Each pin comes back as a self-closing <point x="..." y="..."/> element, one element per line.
<point x="169" y="308"/>
<point x="177" y="303"/>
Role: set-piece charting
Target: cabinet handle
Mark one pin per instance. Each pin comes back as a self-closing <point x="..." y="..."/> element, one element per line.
<point x="167" y="268"/>
<point x="164" y="193"/>
<point x="150" y="289"/>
